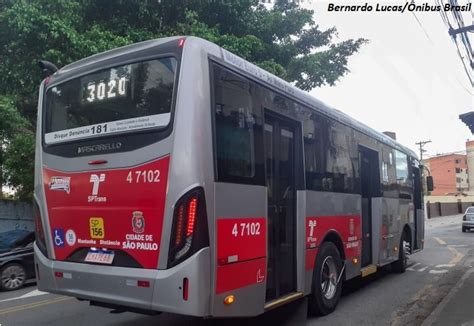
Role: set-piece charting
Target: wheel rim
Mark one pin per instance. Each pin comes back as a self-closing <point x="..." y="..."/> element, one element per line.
<point x="12" y="277"/>
<point x="406" y="251"/>
<point x="328" y="278"/>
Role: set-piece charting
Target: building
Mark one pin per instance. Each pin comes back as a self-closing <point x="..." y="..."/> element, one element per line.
<point x="450" y="173"/>
<point x="453" y="184"/>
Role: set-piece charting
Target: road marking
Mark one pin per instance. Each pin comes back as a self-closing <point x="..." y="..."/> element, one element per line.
<point x="445" y="265"/>
<point x="422" y="269"/>
<point x="441" y="271"/>
<point x="33" y="293"/>
<point x="457" y="256"/>
<point x="32" y="305"/>
<point x="411" y="268"/>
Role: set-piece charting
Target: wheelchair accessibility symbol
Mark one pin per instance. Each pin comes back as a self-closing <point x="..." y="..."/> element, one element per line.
<point x="58" y="238"/>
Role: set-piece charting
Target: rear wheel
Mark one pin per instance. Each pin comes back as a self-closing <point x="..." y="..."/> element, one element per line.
<point x="326" y="288"/>
<point x="401" y="264"/>
<point x="12" y="277"/>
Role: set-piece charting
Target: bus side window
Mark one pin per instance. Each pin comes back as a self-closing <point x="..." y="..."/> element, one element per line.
<point x="331" y="158"/>
<point x="404" y="179"/>
<point x="314" y="153"/>
<point x="401" y="164"/>
<point x="389" y="178"/>
<point x="238" y="129"/>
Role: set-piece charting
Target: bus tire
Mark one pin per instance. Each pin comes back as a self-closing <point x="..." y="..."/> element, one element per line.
<point x="400" y="265"/>
<point x="325" y="289"/>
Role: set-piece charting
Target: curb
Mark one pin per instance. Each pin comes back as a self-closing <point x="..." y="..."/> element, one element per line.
<point x="433" y="317"/>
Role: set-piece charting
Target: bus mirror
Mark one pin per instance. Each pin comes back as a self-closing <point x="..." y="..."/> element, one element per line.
<point x="429" y="183"/>
<point x="47" y="68"/>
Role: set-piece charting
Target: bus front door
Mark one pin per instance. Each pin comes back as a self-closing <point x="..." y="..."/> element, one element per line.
<point x="280" y="137"/>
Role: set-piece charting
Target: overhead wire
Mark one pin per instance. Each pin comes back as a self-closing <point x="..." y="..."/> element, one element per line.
<point x="459" y="21"/>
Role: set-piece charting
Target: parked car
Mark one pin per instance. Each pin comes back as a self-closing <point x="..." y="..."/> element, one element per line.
<point x="16" y="259"/>
<point x="468" y="219"/>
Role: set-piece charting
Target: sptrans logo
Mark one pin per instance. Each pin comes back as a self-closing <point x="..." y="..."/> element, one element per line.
<point x="96" y="180"/>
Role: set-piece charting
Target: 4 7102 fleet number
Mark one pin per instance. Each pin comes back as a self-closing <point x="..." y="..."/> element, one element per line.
<point x="246" y="229"/>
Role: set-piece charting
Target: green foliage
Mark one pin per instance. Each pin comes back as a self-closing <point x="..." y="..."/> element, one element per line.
<point x="283" y="39"/>
<point x="16" y="149"/>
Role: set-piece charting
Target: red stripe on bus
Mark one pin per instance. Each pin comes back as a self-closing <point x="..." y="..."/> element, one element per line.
<point x="241" y="252"/>
<point x="118" y="209"/>
<point x="347" y="227"/>
<point x="238" y="275"/>
<point x="310" y="260"/>
<point x="241" y="239"/>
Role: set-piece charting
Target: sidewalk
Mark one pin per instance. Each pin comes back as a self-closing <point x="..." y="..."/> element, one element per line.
<point x="457" y="308"/>
<point x="443" y="220"/>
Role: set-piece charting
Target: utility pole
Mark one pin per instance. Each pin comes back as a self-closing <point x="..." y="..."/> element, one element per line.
<point x="463" y="29"/>
<point x="422" y="144"/>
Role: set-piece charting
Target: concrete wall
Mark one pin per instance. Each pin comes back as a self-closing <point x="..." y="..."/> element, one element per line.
<point x="15" y="215"/>
<point x="447" y="205"/>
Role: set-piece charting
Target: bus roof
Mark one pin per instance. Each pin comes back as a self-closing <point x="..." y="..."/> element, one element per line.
<point x="249" y="68"/>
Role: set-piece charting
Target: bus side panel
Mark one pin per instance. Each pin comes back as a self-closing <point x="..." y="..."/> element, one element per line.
<point x="389" y="216"/>
<point x="420" y="229"/>
<point x="241" y="248"/>
<point x="332" y="212"/>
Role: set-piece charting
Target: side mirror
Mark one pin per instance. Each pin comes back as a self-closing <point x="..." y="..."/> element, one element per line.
<point x="47" y="68"/>
<point x="429" y="183"/>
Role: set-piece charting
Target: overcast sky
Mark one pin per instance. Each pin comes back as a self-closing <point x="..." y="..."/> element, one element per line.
<point x="408" y="79"/>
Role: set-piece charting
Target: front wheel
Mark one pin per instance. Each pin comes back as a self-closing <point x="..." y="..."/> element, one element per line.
<point x="464" y="229"/>
<point x="12" y="277"/>
<point x="327" y="283"/>
<point x="401" y="264"/>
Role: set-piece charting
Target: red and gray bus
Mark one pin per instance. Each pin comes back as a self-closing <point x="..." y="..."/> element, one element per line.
<point x="174" y="176"/>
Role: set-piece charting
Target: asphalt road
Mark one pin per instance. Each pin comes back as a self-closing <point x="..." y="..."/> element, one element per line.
<point x="382" y="299"/>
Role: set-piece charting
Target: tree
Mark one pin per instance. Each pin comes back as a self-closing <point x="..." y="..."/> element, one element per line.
<point x="283" y="39"/>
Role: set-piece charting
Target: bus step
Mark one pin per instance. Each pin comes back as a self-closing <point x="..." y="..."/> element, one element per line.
<point x="282" y="300"/>
<point x="370" y="269"/>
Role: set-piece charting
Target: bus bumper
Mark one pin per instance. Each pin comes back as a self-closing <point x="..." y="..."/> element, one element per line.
<point x="146" y="289"/>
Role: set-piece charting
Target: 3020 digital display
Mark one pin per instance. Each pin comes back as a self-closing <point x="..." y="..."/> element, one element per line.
<point x="104" y="90"/>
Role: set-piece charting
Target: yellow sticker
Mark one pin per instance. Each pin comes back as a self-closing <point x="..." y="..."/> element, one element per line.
<point x="96" y="225"/>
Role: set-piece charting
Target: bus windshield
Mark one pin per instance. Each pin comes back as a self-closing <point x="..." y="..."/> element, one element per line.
<point x="126" y="98"/>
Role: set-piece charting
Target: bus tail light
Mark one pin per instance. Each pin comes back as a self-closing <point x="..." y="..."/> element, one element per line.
<point x="39" y="231"/>
<point x="185" y="289"/>
<point x="189" y="231"/>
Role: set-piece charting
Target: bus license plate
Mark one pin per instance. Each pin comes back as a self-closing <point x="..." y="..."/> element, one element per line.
<point x="100" y="257"/>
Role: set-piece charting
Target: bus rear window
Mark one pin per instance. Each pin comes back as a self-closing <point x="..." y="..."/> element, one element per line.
<point x="127" y="98"/>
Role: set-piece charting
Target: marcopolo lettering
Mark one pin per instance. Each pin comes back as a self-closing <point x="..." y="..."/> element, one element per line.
<point x="99" y="148"/>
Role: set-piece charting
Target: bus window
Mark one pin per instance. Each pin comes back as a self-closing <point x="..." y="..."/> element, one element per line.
<point x="314" y="134"/>
<point x="115" y="100"/>
<point x="389" y="178"/>
<point x="401" y="164"/>
<point x="238" y="129"/>
<point x="331" y="158"/>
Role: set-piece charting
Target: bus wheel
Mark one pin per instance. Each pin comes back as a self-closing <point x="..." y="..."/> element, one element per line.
<point x="327" y="283"/>
<point x="400" y="265"/>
